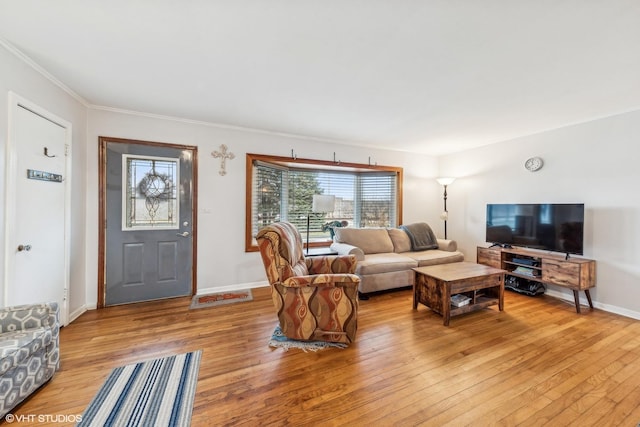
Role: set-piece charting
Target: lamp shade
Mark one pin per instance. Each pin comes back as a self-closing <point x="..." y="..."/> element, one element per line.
<point x="445" y="180"/>
<point x="323" y="203"/>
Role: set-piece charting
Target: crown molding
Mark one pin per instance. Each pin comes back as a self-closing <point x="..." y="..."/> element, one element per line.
<point x="30" y="62"/>
<point x="222" y="126"/>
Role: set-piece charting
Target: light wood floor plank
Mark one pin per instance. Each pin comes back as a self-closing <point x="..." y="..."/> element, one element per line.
<point x="536" y="363"/>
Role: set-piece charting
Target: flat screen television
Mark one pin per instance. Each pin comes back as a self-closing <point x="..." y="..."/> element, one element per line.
<point x="557" y="227"/>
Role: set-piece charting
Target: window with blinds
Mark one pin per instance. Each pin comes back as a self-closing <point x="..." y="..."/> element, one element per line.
<point x="283" y="190"/>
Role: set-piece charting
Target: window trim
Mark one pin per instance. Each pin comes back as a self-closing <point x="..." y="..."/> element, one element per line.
<point x="250" y="243"/>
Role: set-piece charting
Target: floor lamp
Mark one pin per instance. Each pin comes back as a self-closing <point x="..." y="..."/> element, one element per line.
<point x="321" y="204"/>
<point x="445" y="214"/>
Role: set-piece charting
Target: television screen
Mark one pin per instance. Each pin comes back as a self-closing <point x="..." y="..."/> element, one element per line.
<point x="551" y="226"/>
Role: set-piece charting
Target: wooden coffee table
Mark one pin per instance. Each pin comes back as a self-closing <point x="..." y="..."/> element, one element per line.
<point x="434" y="285"/>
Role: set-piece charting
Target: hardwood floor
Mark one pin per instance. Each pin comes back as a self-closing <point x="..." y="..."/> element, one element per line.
<point x="536" y="363"/>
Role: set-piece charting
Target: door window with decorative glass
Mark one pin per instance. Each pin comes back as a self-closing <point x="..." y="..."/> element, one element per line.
<point x="151" y="199"/>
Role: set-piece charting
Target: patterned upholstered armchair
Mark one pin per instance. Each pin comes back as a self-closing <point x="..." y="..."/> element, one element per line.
<point x="29" y="351"/>
<point x="316" y="297"/>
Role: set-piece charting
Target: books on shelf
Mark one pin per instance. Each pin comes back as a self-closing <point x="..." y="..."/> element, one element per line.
<point x="459" y="300"/>
<point x="526" y="261"/>
<point x="525" y="271"/>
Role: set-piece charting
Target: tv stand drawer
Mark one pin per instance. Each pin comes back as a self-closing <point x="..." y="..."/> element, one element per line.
<point x="570" y="274"/>
<point x="560" y="273"/>
<point x="490" y="257"/>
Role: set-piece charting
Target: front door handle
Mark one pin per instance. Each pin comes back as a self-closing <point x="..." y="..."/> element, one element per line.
<point x="183" y="234"/>
<point x="24" y="248"/>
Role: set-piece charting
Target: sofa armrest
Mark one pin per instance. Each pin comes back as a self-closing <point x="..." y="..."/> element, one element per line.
<point x="347" y="249"/>
<point x="28" y="316"/>
<point x="319" y="280"/>
<point x="447" y="245"/>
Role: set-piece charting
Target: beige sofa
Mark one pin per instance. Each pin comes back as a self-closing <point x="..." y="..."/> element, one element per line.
<point x="385" y="256"/>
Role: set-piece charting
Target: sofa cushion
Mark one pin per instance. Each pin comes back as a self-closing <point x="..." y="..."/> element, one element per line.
<point x="370" y="240"/>
<point x="400" y="239"/>
<point x="384" y="263"/>
<point x="435" y="256"/>
<point x="18" y="346"/>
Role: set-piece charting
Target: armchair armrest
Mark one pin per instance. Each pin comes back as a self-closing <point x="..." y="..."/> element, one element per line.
<point x="347" y="249"/>
<point x="28" y="316"/>
<point x="323" y="280"/>
<point x="447" y="245"/>
<point x="330" y="264"/>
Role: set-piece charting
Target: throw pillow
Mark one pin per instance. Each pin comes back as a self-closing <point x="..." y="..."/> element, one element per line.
<point x="400" y="239"/>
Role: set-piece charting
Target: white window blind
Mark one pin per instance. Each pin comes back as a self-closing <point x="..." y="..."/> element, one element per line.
<point x="363" y="198"/>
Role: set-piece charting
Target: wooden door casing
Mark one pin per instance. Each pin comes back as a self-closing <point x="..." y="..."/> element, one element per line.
<point x="102" y="217"/>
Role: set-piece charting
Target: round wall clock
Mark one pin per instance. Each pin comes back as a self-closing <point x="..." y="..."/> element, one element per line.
<point x="533" y="164"/>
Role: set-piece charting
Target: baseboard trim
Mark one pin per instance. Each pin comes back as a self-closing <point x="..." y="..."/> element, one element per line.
<point x="203" y="291"/>
<point x="583" y="301"/>
<point x="78" y="312"/>
<point x="568" y="297"/>
<point x="236" y="287"/>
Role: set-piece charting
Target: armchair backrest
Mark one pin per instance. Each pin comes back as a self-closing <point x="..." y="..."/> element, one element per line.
<point x="282" y="251"/>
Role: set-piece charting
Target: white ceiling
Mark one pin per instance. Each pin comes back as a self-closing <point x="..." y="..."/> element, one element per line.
<point x="424" y="76"/>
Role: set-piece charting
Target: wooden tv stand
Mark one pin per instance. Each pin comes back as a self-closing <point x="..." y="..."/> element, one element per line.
<point x="577" y="274"/>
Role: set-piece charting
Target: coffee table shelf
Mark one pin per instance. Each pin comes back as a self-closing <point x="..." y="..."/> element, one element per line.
<point x="481" y="302"/>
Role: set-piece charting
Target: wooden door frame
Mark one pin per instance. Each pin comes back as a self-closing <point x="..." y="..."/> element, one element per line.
<point x="102" y="206"/>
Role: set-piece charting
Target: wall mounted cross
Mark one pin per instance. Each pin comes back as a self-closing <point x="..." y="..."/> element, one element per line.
<point x="223" y="155"/>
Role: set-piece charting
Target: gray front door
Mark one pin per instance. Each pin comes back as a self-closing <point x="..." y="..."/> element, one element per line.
<point x="149" y="221"/>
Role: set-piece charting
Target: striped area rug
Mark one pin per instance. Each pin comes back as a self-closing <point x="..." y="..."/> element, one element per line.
<point x="157" y="392"/>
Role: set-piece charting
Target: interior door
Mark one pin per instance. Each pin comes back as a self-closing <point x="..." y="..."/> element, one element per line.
<point x="38" y="182"/>
<point x="149" y="229"/>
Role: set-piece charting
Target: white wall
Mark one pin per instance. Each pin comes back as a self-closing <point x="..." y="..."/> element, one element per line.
<point x="595" y="163"/>
<point x="222" y="261"/>
<point x="223" y="264"/>
<point x="17" y="76"/>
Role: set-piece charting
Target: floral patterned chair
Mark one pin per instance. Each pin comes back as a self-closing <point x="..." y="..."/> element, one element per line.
<point x="316" y="297"/>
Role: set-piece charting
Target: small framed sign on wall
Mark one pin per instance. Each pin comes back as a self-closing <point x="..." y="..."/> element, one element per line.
<point x="43" y="176"/>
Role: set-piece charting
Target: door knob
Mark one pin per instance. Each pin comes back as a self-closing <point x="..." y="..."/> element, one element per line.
<point x="183" y="234"/>
<point x="24" y="248"/>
